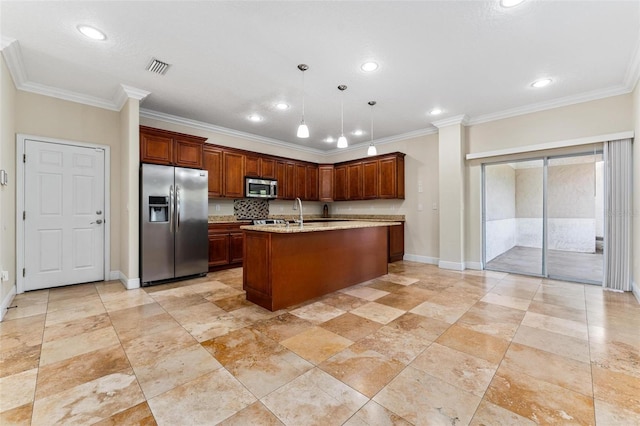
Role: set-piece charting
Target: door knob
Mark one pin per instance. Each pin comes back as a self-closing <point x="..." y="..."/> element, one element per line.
<point x="99" y="212"/>
<point x="99" y="221"/>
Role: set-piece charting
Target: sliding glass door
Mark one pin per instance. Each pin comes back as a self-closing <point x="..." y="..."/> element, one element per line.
<point x="513" y="217"/>
<point x="544" y="217"/>
<point x="575" y="218"/>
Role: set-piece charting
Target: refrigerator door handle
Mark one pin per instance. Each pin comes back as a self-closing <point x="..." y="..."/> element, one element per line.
<point x="178" y="202"/>
<point x="171" y="208"/>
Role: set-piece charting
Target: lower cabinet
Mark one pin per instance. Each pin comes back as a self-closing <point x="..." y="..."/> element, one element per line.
<point x="396" y="242"/>
<point x="225" y="245"/>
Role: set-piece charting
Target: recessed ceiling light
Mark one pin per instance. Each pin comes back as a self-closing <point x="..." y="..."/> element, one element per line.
<point x="435" y="111"/>
<point x="329" y="140"/>
<point x="92" y="33"/>
<point x="255" y="118"/>
<point x="541" y="83"/>
<point x="369" y="66"/>
<point x="358" y="132"/>
<point x="510" y="3"/>
<point x="282" y="106"/>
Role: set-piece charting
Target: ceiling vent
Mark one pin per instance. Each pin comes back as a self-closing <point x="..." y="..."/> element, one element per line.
<point x="158" y="67"/>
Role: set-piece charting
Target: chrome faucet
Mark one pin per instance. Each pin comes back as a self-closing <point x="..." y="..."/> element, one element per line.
<point x="297" y="204"/>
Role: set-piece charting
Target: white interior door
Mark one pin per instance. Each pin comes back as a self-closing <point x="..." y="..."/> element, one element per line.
<point x="64" y="214"/>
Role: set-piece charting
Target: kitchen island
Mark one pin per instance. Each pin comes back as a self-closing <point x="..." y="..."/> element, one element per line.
<point x="287" y="265"/>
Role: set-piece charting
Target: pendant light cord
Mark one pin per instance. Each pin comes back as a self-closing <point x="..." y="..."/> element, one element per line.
<point x="342" y="114"/>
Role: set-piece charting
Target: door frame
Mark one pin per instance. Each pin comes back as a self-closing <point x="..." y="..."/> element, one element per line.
<point x="20" y="202"/>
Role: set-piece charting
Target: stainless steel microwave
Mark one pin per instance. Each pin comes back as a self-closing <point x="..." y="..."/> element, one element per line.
<point x="260" y="188"/>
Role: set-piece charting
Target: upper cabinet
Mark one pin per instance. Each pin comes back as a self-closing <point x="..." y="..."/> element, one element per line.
<point x="369" y="178"/>
<point x="170" y="148"/>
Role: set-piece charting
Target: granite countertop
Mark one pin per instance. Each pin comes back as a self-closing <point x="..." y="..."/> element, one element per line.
<point x="315" y="227"/>
<point x="310" y="217"/>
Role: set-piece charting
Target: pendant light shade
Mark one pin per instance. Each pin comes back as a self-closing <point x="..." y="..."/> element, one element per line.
<point x="372" y="148"/>
<point x="303" y="130"/>
<point x="342" y="141"/>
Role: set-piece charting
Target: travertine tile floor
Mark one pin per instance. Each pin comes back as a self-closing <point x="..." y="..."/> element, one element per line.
<point x="418" y="346"/>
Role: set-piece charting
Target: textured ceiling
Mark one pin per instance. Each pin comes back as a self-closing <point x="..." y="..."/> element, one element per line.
<point x="232" y="59"/>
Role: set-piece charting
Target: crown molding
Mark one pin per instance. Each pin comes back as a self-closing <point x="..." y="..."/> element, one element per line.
<point x="125" y="92"/>
<point x="5" y="41"/>
<point x="457" y="120"/>
<point x="13" y="59"/>
<point x="556" y="103"/>
<point x="174" y="119"/>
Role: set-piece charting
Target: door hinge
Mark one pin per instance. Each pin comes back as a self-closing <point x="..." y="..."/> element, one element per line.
<point x="24" y="158"/>
<point x="23" y="272"/>
<point x="24" y="215"/>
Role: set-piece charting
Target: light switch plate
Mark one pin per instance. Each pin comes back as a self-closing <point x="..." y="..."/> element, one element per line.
<point x="5" y="275"/>
<point x="4" y="179"/>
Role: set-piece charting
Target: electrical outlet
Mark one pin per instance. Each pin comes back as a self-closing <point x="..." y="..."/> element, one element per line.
<point x="217" y="207"/>
<point x="5" y="275"/>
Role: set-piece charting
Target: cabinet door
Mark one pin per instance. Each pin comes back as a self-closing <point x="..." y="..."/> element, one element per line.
<point x="290" y="185"/>
<point x="325" y="183"/>
<point x="387" y="187"/>
<point x="233" y="170"/>
<point x="156" y="149"/>
<point x="212" y="162"/>
<point x="354" y="181"/>
<point x="301" y="181"/>
<point x="252" y="166"/>
<point x="400" y="177"/>
<point x="396" y="243"/>
<point x="370" y="179"/>
<point x="281" y="177"/>
<point x="312" y="183"/>
<point x="236" y="240"/>
<point x="268" y="168"/>
<point x="188" y="153"/>
<point x="340" y="183"/>
<point x="218" y="249"/>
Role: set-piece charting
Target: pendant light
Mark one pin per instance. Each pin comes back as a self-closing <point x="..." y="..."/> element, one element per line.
<point x="303" y="130"/>
<point x="372" y="148"/>
<point x="342" y="141"/>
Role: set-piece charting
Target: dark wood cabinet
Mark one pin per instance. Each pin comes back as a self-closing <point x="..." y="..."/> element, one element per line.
<point x="268" y="168"/>
<point x="325" y="182"/>
<point x="212" y="162"/>
<point x="312" y="183"/>
<point x="354" y="181"/>
<point x="225" y="245"/>
<point x="159" y="146"/>
<point x="235" y="247"/>
<point x="391" y="184"/>
<point x="340" y="190"/>
<point x="300" y="178"/>
<point x="289" y="181"/>
<point x="252" y="165"/>
<point x="396" y="242"/>
<point x="370" y="179"/>
<point x="234" y="173"/>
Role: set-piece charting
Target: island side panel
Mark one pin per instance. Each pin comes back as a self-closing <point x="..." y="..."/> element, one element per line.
<point x="310" y="264"/>
<point x="256" y="274"/>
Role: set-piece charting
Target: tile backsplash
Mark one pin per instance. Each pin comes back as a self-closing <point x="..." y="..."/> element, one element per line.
<point x="251" y="209"/>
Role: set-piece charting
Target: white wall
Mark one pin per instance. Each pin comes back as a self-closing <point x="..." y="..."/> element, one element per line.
<point x="8" y="192"/>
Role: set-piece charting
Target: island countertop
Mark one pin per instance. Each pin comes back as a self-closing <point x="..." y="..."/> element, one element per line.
<point x="294" y="228"/>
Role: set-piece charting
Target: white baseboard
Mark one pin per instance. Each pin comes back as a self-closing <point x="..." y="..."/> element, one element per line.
<point x="473" y="265"/>
<point x="129" y="283"/>
<point x="6" y="302"/>
<point x="114" y="275"/>
<point x="636" y="290"/>
<point x="420" y="259"/>
<point x="456" y="266"/>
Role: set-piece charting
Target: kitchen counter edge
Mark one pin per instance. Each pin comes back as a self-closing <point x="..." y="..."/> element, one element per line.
<point x="317" y="227"/>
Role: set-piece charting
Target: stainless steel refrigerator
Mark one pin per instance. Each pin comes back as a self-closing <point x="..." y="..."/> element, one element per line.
<point x="173" y="223"/>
